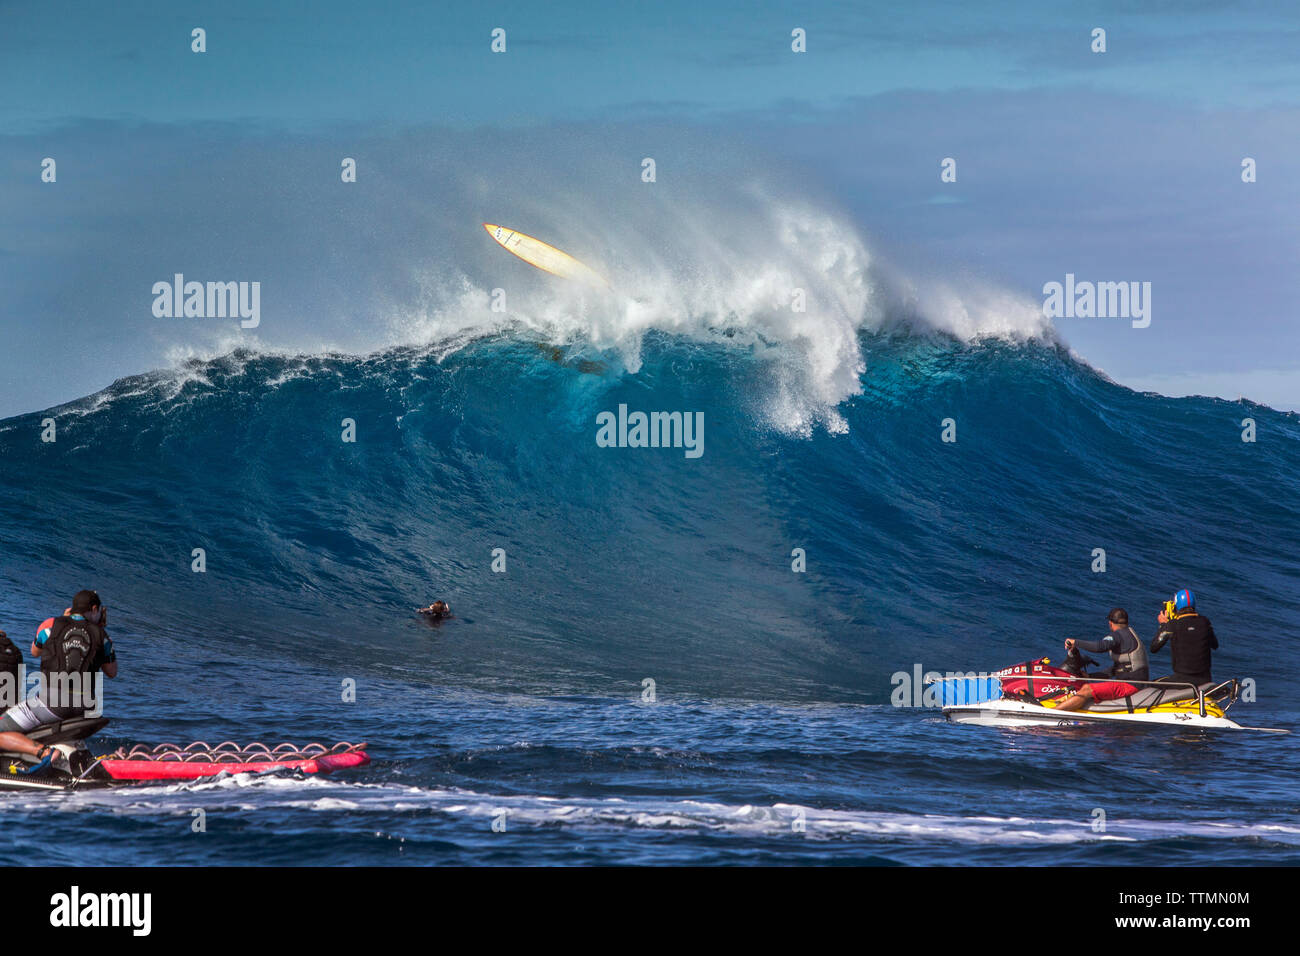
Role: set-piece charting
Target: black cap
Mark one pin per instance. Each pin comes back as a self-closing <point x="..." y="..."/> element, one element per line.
<point x="84" y="601"/>
<point x="1118" y="615"/>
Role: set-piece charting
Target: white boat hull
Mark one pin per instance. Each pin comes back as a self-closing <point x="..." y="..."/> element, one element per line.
<point x="1013" y="713"/>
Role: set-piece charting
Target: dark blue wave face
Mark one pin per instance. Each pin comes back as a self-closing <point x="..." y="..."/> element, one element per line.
<point x="623" y="564"/>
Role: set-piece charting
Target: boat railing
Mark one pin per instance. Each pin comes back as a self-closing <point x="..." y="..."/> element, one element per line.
<point x="1162" y="685"/>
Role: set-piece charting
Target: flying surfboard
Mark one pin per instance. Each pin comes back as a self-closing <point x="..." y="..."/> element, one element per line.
<point x="545" y="257"/>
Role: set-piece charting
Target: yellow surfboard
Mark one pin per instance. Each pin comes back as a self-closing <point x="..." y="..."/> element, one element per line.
<point x="543" y="256"/>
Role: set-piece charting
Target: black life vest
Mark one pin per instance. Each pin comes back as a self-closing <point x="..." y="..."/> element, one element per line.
<point x="73" y="647"/>
<point x="1193" y="639"/>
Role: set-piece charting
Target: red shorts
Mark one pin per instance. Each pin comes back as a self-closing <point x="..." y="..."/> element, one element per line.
<point x="1112" y="690"/>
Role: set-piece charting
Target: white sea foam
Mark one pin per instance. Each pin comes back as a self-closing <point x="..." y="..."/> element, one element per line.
<point x="260" y="792"/>
<point x="723" y="270"/>
<point x="729" y="280"/>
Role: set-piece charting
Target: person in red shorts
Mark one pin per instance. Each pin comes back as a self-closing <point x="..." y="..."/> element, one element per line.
<point x="1128" y="658"/>
<point x="1103" y="690"/>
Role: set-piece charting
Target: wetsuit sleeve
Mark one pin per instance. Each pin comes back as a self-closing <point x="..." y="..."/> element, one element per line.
<point x="43" y="632"/>
<point x="106" y="653"/>
<point x="1104" y="646"/>
<point x="1209" y="633"/>
<point x="1159" y="640"/>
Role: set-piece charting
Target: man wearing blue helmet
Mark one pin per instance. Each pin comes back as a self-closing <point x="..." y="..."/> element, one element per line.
<point x="1191" y="639"/>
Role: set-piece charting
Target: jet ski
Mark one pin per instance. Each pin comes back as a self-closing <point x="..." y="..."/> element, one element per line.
<point x="1027" y="695"/>
<point x="76" y="768"/>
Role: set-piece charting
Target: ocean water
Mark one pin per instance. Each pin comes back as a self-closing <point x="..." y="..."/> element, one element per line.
<point x="648" y="680"/>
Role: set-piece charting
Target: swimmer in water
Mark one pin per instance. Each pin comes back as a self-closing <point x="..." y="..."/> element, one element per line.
<point x="437" y="611"/>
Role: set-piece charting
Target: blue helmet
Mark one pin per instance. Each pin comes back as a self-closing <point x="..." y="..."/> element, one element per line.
<point x="1184" y="600"/>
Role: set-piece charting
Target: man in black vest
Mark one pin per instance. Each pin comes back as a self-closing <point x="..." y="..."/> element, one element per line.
<point x="1191" y="638"/>
<point x="74" y="649"/>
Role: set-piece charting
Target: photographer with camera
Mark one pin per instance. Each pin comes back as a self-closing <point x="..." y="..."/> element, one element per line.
<point x="1191" y="638"/>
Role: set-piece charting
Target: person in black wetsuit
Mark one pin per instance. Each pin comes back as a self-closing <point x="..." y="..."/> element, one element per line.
<point x="74" y="649"/>
<point x="1128" y="654"/>
<point x="1191" y="638"/>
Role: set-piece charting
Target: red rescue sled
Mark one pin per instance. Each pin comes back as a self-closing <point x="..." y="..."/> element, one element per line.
<point x="170" y="762"/>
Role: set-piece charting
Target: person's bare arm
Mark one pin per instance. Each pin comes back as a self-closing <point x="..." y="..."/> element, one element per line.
<point x="110" y="669"/>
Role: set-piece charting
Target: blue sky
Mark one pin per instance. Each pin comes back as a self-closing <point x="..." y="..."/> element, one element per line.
<point x="1116" y="166"/>
<point x="425" y="61"/>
